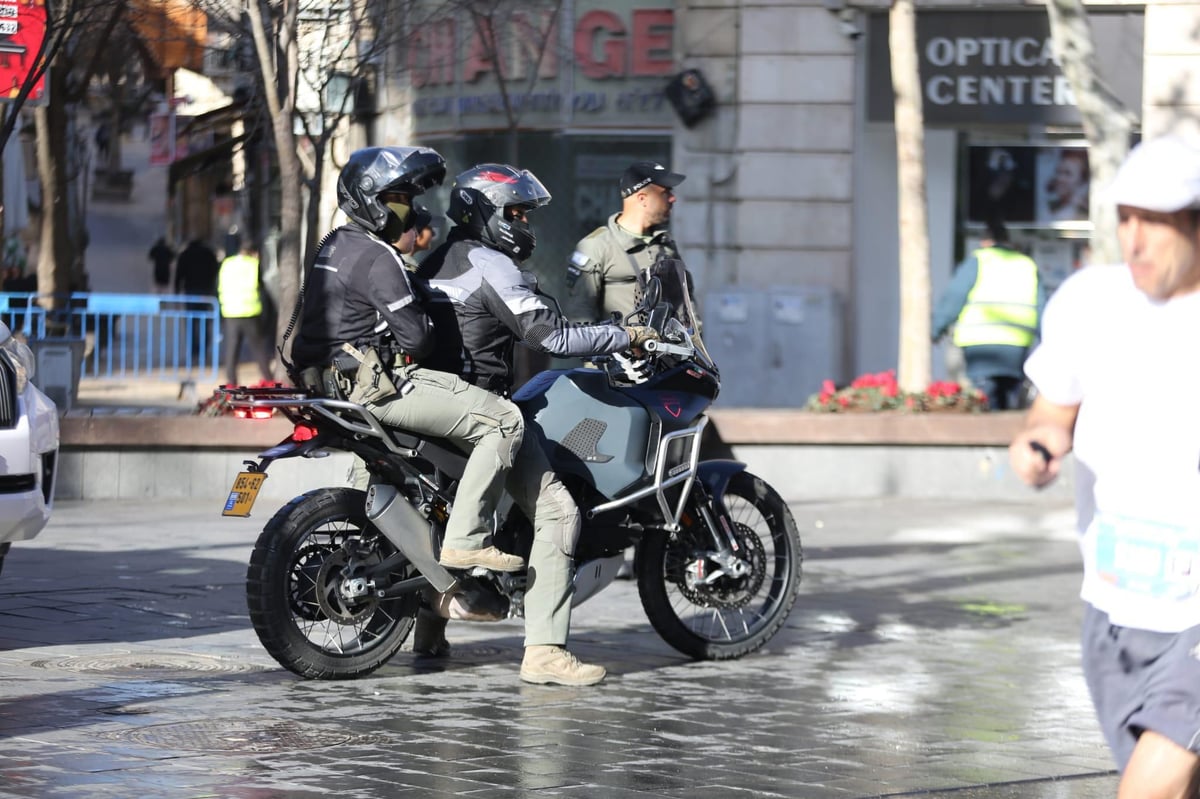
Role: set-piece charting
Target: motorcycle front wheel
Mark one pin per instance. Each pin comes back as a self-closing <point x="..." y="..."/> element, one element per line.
<point x="296" y="589"/>
<point x="705" y="611"/>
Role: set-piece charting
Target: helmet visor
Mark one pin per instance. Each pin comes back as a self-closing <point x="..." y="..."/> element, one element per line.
<point x="505" y="186"/>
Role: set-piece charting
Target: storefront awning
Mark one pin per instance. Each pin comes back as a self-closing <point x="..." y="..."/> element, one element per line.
<point x="222" y="151"/>
<point x="173" y="32"/>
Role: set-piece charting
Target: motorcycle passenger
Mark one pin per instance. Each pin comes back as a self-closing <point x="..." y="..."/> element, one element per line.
<point x="359" y="293"/>
<point x="481" y="306"/>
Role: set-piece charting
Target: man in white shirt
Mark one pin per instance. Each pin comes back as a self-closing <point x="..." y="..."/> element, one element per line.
<point x="1117" y="378"/>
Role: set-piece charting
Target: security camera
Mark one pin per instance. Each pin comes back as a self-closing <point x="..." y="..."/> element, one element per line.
<point x="848" y="23"/>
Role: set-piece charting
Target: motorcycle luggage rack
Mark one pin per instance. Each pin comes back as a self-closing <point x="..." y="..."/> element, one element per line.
<point x="331" y="409"/>
<point x="662" y="481"/>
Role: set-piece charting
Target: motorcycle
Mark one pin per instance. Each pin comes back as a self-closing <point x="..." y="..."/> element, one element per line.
<point x="337" y="577"/>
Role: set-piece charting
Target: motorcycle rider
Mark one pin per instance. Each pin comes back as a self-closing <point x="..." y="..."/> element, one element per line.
<point x="481" y="306"/>
<point x="359" y="293"/>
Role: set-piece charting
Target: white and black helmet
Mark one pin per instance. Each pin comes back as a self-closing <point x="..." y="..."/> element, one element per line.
<point x="372" y="171"/>
<point x="478" y="200"/>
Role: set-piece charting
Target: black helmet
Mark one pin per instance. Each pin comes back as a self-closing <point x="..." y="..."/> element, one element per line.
<point x="372" y="171"/>
<point x="478" y="200"/>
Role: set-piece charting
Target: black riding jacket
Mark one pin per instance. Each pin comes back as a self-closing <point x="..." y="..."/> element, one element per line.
<point x="357" y="290"/>
<point x="481" y="306"/>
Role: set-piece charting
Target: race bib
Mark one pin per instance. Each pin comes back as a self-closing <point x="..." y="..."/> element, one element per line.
<point x="1147" y="557"/>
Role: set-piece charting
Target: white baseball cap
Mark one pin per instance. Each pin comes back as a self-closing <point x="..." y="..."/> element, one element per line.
<point x="1161" y="174"/>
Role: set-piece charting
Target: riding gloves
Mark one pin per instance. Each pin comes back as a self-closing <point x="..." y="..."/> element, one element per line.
<point x="639" y="335"/>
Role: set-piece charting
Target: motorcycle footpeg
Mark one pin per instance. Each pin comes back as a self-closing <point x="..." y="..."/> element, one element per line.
<point x="467" y="603"/>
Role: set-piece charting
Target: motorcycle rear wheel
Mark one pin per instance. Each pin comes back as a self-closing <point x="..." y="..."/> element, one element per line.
<point x="292" y="593"/>
<point x="730" y="617"/>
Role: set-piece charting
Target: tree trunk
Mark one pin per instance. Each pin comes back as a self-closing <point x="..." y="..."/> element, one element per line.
<point x="312" y="217"/>
<point x="1107" y="123"/>
<point x="915" y="350"/>
<point x="57" y="259"/>
<point x="277" y="59"/>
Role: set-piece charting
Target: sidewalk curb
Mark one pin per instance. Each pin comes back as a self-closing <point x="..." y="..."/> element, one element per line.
<point x="805" y="456"/>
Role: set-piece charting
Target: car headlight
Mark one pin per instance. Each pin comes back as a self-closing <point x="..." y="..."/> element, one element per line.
<point x="21" y="357"/>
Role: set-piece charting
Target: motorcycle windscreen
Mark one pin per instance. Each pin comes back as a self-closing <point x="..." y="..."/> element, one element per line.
<point x="675" y="290"/>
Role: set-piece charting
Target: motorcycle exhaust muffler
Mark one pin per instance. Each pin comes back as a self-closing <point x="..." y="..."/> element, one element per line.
<point x="408" y="531"/>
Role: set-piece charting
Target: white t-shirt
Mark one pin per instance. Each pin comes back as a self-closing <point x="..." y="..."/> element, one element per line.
<point x="1133" y="367"/>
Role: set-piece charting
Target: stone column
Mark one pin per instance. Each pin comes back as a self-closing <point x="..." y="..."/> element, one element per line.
<point x="1171" y="71"/>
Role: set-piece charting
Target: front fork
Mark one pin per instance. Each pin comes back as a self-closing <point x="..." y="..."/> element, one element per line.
<point x="725" y="558"/>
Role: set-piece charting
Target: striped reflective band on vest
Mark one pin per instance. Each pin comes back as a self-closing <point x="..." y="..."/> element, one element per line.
<point x="1002" y="305"/>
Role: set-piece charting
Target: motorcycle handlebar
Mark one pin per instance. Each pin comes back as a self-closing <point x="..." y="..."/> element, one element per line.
<point x="666" y="348"/>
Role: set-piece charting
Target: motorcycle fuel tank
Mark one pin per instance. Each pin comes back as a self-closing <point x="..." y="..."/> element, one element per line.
<point x="589" y="428"/>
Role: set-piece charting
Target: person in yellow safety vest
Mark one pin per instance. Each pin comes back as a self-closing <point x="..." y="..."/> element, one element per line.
<point x="240" y="293"/>
<point x="994" y="301"/>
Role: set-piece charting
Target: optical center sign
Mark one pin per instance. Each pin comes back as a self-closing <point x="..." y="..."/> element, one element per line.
<point x="607" y="68"/>
<point x="1001" y="67"/>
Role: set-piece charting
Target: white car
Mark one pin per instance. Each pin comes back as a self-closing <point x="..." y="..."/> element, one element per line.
<point x="28" y="446"/>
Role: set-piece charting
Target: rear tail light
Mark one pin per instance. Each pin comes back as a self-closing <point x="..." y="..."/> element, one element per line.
<point x="253" y="413"/>
<point x="304" y="433"/>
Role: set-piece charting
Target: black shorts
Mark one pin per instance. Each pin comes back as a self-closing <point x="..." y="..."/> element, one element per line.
<point x="1142" y="680"/>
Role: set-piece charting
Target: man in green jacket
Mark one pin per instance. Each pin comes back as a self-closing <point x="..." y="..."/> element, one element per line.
<point x="603" y="275"/>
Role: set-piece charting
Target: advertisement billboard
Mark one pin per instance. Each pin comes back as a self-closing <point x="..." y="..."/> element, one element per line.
<point x="1028" y="185"/>
<point x="22" y="29"/>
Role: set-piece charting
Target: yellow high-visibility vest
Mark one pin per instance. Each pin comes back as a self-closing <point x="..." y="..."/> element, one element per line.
<point x="1002" y="305"/>
<point x="237" y="287"/>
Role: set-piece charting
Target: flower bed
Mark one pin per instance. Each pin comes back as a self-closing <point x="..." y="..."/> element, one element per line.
<point x="873" y="393"/>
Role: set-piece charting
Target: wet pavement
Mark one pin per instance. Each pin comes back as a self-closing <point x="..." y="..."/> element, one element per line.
<point x="933" y="652"/>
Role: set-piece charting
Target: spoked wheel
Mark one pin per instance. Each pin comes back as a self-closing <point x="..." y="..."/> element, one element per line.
<point x="306" y="603"/>
<point x="711" y="607"/>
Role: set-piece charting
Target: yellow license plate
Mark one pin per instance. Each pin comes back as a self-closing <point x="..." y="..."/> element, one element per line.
<point x="245" y="491"/>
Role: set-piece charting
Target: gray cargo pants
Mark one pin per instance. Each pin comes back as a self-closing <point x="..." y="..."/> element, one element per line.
<point x="484" y="425"/>
<point x="555" y="517"/>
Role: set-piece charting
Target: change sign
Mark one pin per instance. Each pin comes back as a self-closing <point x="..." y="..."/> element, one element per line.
<point x="22" y="29"/>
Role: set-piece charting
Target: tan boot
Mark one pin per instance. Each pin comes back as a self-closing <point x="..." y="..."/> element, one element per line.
<point x="554" y="664"/>
<point x="488" y="558"/>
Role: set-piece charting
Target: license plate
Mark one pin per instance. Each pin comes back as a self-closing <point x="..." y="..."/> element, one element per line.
<point x="245" y="491"/>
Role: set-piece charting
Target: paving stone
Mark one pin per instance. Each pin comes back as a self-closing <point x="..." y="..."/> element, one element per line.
<point x="933" y="652"/>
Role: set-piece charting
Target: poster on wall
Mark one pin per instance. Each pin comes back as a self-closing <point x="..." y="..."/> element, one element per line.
<point x="1042" y="186"/>
<point x="1062" y="185"/>
<point x="1002" y="183"/>
<point x="162" y="138"/>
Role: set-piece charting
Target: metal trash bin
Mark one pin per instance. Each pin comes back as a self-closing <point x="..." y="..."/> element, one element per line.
<point x="58" y="366"/>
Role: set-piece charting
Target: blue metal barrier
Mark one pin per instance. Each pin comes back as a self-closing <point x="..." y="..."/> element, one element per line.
<point x="170" y="336"/>
<point x="19" y="312"/>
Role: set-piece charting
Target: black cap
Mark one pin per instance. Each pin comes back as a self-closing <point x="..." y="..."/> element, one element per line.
<point x="642" y="173"/>
<point x="422" y="218"/>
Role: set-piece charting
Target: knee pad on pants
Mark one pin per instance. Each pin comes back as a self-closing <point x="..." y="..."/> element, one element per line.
<point x="558" y="518"/>
<point x="510" y="426"/>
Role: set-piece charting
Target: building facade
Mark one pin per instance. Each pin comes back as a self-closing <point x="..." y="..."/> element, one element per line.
<point x="788" y="216"/>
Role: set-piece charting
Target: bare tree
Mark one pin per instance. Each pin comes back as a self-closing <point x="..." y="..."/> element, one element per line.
<point x="310" y="56"/>
<point x="509" y="37"/>
<point x="76" y="31"/>
<point x="915" y="353"/>
<point x="1107" y="123"/>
